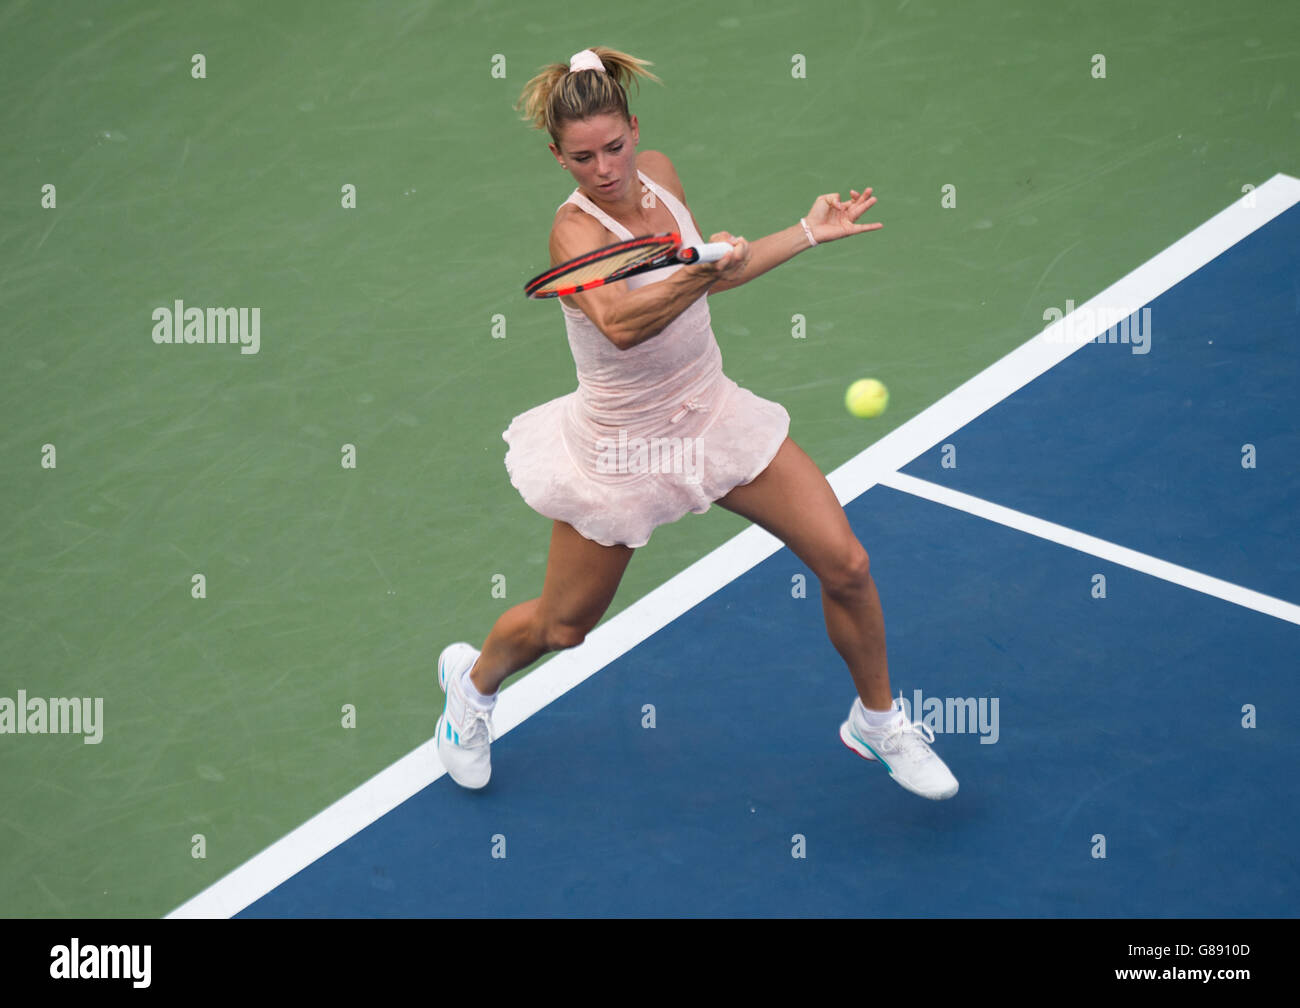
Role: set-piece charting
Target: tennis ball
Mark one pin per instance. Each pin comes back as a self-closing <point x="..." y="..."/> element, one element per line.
<point x="867" y="398"/>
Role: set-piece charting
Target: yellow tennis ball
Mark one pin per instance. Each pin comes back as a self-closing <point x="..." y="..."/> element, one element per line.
<point x="867" y="398"/>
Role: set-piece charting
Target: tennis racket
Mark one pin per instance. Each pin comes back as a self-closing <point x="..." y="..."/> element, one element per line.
<point x="618" y="262"/>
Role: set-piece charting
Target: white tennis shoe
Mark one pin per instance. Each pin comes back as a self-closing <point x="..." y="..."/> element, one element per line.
<point x="903" y="748"/>
<point x="464" y="732"/>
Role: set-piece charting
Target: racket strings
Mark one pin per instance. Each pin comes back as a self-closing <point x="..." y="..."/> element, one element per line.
<point x="596" y="269"/>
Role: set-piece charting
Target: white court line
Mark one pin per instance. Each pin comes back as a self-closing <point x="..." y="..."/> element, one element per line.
<point x="1018" y="368"/>
<point x="1184" y="577"/>
<point x="420" y="768"/>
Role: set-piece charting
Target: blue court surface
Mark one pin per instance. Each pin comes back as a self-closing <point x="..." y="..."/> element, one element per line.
<point x="1089" y="567"/>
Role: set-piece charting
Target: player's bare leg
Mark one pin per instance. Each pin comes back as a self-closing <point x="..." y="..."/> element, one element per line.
<point x="793" y="501"/>
<point x="581" y="579"/>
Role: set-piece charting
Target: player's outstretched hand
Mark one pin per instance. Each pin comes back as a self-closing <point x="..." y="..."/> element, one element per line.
<point x="832" y="217"/>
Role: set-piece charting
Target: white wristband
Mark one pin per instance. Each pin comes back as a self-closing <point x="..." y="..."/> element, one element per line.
<point x="808" y="231"/>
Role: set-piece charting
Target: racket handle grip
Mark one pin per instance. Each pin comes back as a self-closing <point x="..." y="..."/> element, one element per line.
<point x="710" y="252"/>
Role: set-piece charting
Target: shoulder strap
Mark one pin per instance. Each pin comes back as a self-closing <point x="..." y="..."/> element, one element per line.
<point x="685" y="227"/>
<point x="581" y="201"/>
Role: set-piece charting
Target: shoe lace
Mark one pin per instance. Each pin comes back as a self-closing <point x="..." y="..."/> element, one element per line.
<point x="471" y="722"/>
<point x="914" y="737"/>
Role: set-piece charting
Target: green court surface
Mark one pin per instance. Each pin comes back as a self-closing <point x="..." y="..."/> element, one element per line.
<point x="399" y="327"/>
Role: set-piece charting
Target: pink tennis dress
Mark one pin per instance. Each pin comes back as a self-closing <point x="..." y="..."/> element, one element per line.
<point x="652" y="432"/>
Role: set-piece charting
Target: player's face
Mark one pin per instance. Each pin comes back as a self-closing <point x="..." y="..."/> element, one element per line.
<point x="600" y="153"/>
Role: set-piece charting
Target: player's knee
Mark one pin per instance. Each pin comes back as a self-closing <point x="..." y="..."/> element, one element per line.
<point x="849" y="577"/>
<point x="561" y="636"/>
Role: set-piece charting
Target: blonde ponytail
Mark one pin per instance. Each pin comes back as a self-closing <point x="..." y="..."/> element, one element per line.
<point x="556" y="95"/>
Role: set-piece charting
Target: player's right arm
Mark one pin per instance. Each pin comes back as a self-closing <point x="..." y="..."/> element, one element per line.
<point x="630" y="317"/>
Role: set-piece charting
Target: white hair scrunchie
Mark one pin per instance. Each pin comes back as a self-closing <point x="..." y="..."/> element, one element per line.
<point x="585" y="60"/>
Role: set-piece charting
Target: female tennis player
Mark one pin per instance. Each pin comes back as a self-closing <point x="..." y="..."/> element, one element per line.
<point x="650" y="373"/>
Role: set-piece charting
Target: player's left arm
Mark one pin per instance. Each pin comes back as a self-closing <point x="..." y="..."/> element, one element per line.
<point x="829" y="219"/>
